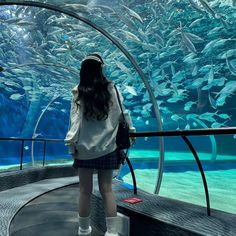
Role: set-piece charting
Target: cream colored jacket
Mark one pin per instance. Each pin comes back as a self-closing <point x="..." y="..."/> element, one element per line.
<point x="92" y="138"/>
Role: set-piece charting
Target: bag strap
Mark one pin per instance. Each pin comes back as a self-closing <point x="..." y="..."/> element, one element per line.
<point x="118" y="97"/>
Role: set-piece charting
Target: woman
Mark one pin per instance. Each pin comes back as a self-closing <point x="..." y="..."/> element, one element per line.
<point x="94" y="119"/>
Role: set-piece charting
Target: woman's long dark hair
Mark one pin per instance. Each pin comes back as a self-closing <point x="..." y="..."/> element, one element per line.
<point x="93" y="89"/>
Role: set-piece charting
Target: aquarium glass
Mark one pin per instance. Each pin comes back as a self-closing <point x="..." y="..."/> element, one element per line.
<point x="186" y="51"/>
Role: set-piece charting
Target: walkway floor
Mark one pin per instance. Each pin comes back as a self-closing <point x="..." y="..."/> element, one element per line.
<point x="54" y="213"/>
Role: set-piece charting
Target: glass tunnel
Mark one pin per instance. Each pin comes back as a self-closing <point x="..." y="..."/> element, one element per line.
<point x="173" y="61"/>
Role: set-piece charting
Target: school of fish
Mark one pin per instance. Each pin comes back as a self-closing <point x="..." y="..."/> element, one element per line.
<point x="186" y="48"/>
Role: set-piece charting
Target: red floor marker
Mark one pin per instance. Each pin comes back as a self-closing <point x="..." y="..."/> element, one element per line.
<point x="133" y="200"/>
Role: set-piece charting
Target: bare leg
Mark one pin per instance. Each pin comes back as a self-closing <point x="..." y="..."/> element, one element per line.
<point x="105" y="188"/>
<point x="86" y="187"/>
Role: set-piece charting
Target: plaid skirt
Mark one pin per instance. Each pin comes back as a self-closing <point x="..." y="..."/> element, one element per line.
<point x="109" y="161"/>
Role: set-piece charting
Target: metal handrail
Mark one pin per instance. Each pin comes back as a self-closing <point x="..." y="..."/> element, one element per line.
<point x="166" y="133"/>
<point x="192" y="132"/>
<point x="183" y="134"/>
<point x="33" y="140"/>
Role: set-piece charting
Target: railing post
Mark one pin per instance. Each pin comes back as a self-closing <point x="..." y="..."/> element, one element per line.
<point x="201" y="171"/>
<point x="132" y="173"/>
<point x="22" y="153"/>
<point x="44" y="151"/>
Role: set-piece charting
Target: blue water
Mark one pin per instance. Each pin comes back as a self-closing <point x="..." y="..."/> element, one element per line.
<point x="27" y="159"/>
<point x="182" y="180"/>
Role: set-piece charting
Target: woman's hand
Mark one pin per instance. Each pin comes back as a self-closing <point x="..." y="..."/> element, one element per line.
<point x="133" y="140"/>
<point x="75" y="154"/>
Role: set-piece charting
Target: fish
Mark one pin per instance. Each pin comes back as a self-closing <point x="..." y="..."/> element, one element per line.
<point x="27" y="88"/>
<point x="219" y="82"/>
<point x="13" y="20"/>
<point x="61" y="50"/>
<point x="176" y="117"/>
<point x="210" y="75"/>
<point x="131" y="36"/>
<point x="12" y="84"/>
<point x="26" y="23"/>
<point x="187" y="127"/>
<point x="196" y="22"/>
<point x="208" y="8"/>
<point x="179" y="76"/>
<point x="224" y="116"/>
<point x="77" y="7"/>
<point x="36" y="135"/>
<point x="221" y="42"/>
<point x="190" y="59"/>
<point x="131" y="90"/>
<point x="212" y="101"/>
<point x="174" y="99"/>
<point x="188" y="43"/>
<point x="215" y="30"/>
<point x="194" y="38"/>
<point x="127" y="21"/>
<point x="173" y="71"/>
<point x="123" y="68"/>
<point x="191" y="116"/>
<point x="206" y="87"/>
<point x="160" y="40"/>
<point x="16" y="96"/>
<point x="229" y="89"/>
<point x="196" y="83"/>
<point x="145" y="114"/>
<point x="217" y="124"/>
<point x="133" y="14"/>
<point x="227" y="54"/>
<point x="208" y="116"/>
<point x="104" y="8"/>
<point x="188" y="105"/>
<point x="195" y="70"/>
<point x="26" y="147"/>
<point x="196" y="6"/>
<point x="147" y="106"/>
<point x="231" y="66"/>
<point x="221" y="100"/>
<point x="209" y="46"/>
<point x="161" y="8"/>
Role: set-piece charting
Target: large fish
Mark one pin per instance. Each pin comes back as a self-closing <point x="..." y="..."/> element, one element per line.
<point x="133" y="14"/>
<point x="188" y="42"/>
<point x="208" y="8"/>
<point x="16" y="96"/>
<point x="196" y="6"/>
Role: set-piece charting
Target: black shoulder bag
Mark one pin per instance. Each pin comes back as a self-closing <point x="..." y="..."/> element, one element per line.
<point x="122" y="137"/>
